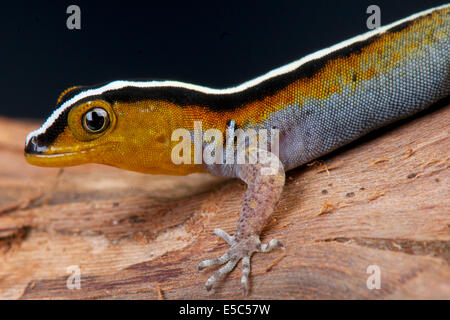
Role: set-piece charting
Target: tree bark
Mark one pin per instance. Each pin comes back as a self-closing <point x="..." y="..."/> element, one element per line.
<point x="382" y="201"/>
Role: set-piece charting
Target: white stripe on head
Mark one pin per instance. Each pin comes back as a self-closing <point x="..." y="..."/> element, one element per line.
<point x="271" y="74"/>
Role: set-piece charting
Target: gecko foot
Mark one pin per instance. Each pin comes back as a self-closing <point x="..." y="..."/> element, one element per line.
<point x="239" y="249"/>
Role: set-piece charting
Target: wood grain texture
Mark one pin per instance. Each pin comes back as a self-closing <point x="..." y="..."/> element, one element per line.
<point x="383" y="201"/>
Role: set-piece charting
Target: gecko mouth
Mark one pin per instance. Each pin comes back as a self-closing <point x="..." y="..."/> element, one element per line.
<point x="34" y="149"/>
<point x="56" y="155"/>
<point x="63" y="159"/>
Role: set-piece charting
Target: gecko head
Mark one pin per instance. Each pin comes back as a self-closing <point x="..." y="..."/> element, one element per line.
<point x="87" y="127"/>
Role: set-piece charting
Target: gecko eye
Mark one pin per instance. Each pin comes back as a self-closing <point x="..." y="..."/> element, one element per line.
<point x="96" y="120"/>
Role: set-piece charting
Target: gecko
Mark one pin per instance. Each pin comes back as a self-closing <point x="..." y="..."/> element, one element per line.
<point x="317" y="104"/>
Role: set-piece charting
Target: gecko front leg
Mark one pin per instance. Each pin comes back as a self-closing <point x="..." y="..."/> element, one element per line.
<point x="265" y="183"/>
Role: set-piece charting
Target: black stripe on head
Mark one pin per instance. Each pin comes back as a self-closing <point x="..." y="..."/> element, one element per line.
<point x="46" y="138"/>
<point x="59" y="125"/>
<point x="223" y="102"/>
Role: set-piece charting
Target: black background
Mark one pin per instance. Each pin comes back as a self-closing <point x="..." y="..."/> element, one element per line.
<point x="216" y="44"/>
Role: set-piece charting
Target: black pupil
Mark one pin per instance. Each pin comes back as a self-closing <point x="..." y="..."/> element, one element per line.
<point x="96" y="119"/>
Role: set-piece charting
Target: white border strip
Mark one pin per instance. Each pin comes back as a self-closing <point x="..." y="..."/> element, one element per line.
<point x="274" y="73"/>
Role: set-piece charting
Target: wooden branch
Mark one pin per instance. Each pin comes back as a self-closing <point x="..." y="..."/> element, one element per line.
<point x="383" y="202"/>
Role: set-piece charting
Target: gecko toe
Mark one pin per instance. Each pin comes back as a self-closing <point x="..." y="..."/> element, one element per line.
<point x="273" y="244"/>
<point x="214" y="262"/>
<point x="221" y="273"/>
<point x="225" y="236"/>
<point x="245" y="274"/>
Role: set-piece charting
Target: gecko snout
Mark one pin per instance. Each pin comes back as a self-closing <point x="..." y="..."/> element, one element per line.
<point x="34" y="147"/>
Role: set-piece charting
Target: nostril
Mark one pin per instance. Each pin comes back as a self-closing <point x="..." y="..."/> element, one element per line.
<point x="32" y="147"/>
